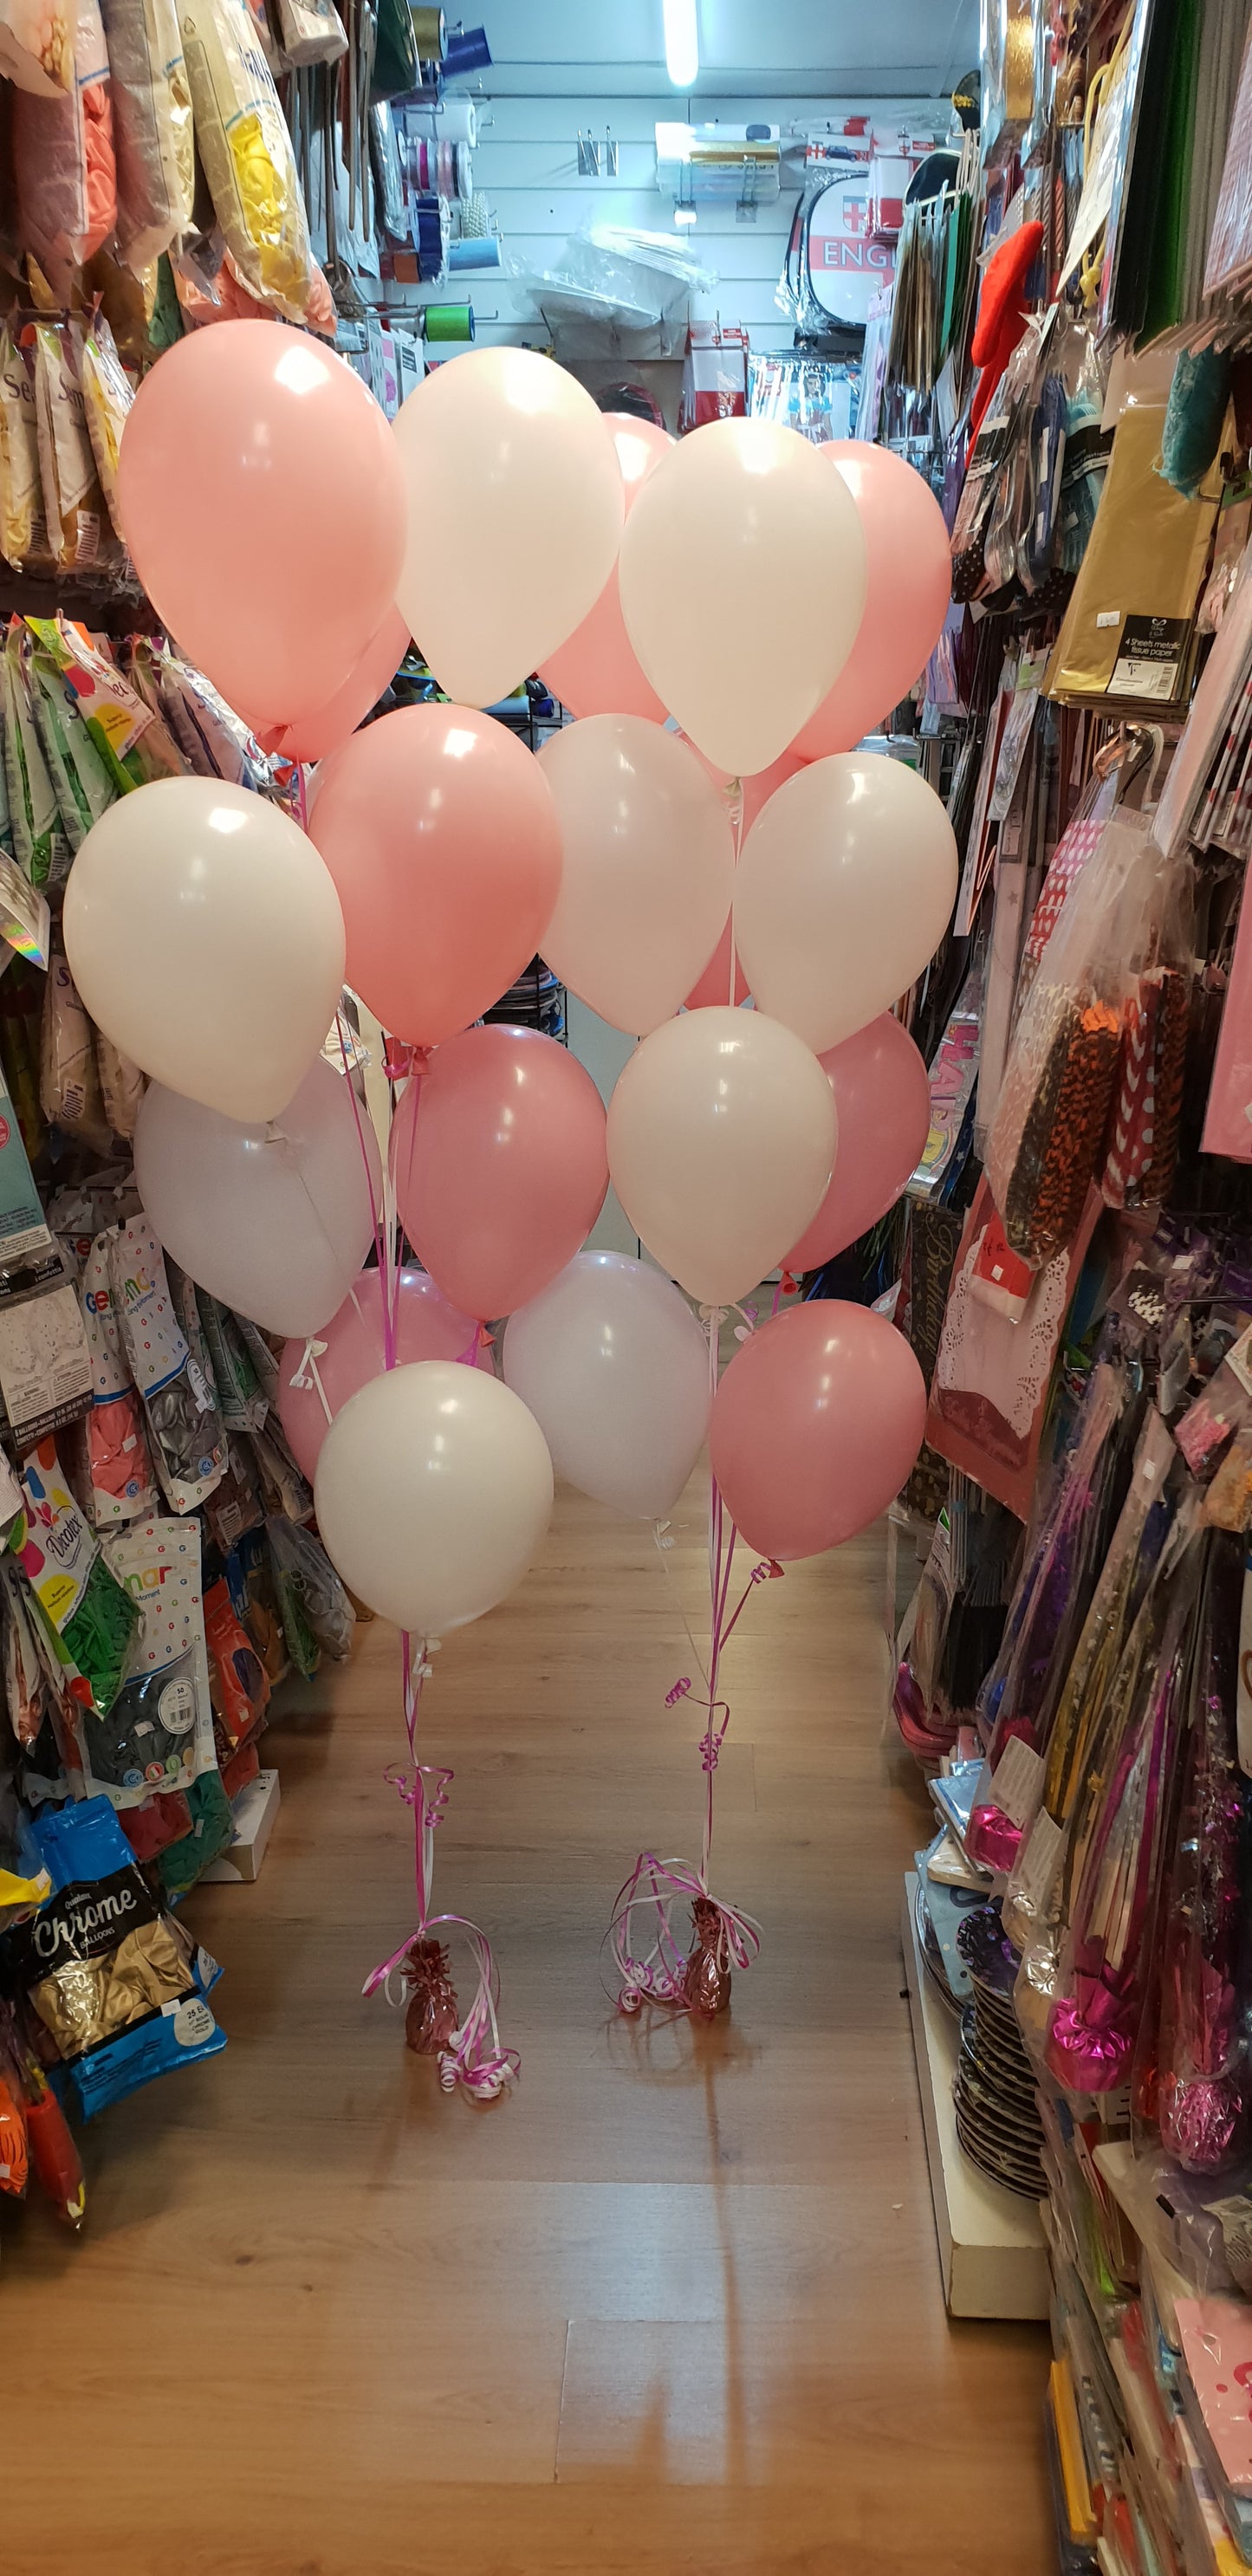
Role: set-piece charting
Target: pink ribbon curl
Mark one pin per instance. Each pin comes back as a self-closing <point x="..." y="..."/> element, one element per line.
<point x="658" y="1974"/>
<point x="474" y="2056"/>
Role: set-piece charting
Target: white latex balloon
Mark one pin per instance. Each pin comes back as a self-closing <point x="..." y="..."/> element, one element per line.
<point x="515" y="517"/>
<point x="274" y="1219"/>
<point x="649" y="868"/>
<point x="742" y="579"/>
<point x="615" y="1369"/>
<point x="843" y="893"/>
<point x="721" y="1137"/>
<point x="433" y="1492"/>
<point x="204" y="934"/>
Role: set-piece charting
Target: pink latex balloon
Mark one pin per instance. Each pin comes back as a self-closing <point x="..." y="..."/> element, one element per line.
<point x="882" y="1100"/>
<point x="262" y="498"/>
<point x="439" y="830"/>
<point x="815" y="1427"/>
<point x="910" y="584"/>
<point x="428" y="1328"/>
<point x="595" y="673"/>
<point x="329" y="727"/>
<point x="499" y="1163"/>
<point x="713" y="989"/>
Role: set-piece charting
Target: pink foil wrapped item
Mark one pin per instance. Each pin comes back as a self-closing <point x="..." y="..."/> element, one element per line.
<point x="1112" y="1867"/>
<point x="1228" y="1118"/>
<point x="1202" y="2046"/>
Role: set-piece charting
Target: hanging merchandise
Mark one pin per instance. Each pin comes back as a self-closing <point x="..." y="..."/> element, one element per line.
<point x="151" y="102"/>
<point x="63" y="160"/>
<point x="246" y="150"/>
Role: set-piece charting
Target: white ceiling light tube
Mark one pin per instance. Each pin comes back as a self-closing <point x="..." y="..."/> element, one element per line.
<point x="682" y="42"/>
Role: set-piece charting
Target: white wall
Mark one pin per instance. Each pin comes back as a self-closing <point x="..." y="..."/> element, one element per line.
<point x="527" y="164"/>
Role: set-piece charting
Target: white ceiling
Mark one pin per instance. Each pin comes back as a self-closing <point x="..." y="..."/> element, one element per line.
<point x="798" y="48"/>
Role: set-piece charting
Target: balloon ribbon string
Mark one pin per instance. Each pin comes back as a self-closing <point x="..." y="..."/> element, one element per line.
<point x="473" y="2055"/>
<point x="661" y="1972"/>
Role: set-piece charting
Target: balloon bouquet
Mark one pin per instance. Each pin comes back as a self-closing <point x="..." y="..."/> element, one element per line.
<point x="293" y="542"/>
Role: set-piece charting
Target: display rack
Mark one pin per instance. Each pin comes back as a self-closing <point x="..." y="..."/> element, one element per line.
<point x="991" y="2248"/>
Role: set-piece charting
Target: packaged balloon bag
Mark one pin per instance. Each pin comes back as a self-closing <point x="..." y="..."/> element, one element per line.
<point x="37" y="45"/>
<point x="23" y="526"/>
<point x="246" y="150"/>
<point x="69" y="1082"/>
<point x="63" y="161"/>
<point x="107" y="398"/>
<point x="158" y="1735"/>
<point x="87" y="1617"/>
<point x="79" y="526"/>
<point x="118" y="1986"/>
<point x="40" y="844"/>
<point x="186" y="1432"/>
<point x="1048" y="1129"/>
<point x="156" y="173"/>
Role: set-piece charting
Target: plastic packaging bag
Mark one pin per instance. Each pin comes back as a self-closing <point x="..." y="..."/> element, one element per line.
<point x="212" y="1828"/>
<point x="83" y="785"/>
<point x="88" y="1619"/>
<point x="1046" y="1136"/>
<point x="1054" y="1588"/>
<point x="1142" y="1141"/>
<point x="1032" y="1898"/>
<point x="185" y="1429"/>
<point x="158" y="1735"/>
<point x="301" y="1561"/>
<point x="121" y="1086"/>
<point x="246" y="151"/>
<point x="79" y="527"/>
<point x="37" y="45"/>
<point x="237" y="1677"/>
<point x="1112" y="1865"/>
<point x="122" y="1483"/>
<point x="63" y="160"/>
<point x="69" y="1090"/>
<point x="115" y="1982"/>
<point x="312" y="32"/>
<point x="40" y="845"/>
<point x="1202" y="2044"/>
<point x="156" y="174"/>
<point x="214" y="741"/>
<point x="298" y="1630"/>
<point x="107" y="398"/>
<point x="94" y="690"/>
<point x="23" y="527"/>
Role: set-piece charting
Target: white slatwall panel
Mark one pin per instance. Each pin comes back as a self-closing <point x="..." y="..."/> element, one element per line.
<point x="527" y="163"/>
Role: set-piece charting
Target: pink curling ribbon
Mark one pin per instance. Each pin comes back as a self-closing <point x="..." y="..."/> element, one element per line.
<point x="472" y="2054"/>
<point x="661" y="1974"/>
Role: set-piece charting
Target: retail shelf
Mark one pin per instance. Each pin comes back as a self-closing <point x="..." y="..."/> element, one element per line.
<point x="991" y="2250"/>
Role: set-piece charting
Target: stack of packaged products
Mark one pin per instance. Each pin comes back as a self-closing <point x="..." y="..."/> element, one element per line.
<point x="158" y="1572"/>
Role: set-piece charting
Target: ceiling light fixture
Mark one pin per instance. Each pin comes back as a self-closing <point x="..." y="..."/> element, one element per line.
<point x="682" y="43"/>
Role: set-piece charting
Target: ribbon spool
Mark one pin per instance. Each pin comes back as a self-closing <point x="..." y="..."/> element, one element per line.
<point x="467" y="51"/>
<point x="456" y="121"/>
<point x="449" y="322"/>
<point x="429" y="34"/>
<point x="482" y="250"/>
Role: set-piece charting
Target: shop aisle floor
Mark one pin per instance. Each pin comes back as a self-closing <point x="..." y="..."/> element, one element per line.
<point x="674" y="2307"/>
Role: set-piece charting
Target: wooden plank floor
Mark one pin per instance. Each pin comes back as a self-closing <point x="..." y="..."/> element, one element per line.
<point x="674" y="2307"/>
